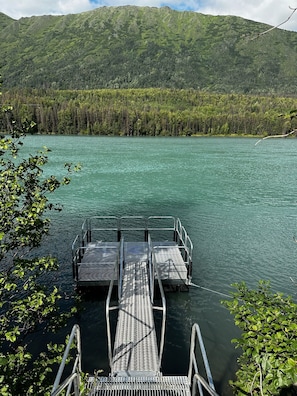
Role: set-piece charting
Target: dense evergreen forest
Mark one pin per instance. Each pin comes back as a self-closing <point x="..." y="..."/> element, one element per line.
<point x="150" y="112"/>
<point x="145" y="47"/>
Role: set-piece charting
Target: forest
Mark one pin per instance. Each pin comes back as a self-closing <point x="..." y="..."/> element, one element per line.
<point x="149" y="112"/>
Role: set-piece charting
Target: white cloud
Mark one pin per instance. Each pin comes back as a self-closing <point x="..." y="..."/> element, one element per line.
<point x="74" y="6"/>
<point x="272" y="12"/>
<point x="17" y="9"/>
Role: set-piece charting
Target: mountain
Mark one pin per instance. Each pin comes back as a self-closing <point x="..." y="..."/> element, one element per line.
<point x="133" y="47"/>
<point x="5" y="20"/>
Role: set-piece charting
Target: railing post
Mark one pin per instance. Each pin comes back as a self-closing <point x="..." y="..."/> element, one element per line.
<point x="89" y="233"/>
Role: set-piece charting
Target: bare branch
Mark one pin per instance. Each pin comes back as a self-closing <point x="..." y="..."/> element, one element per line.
<point x="294" y="9"/>
<point x="277" y="136"/>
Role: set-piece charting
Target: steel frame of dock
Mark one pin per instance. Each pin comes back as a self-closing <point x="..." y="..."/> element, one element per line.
<point x="96" y="252"/>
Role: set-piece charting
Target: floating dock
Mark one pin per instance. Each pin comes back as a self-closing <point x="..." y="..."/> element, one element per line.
<point x="139" y="262"/>
<point x="106" y="240"/>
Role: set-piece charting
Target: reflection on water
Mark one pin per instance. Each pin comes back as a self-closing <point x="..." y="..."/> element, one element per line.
<point x="236" y="200"/>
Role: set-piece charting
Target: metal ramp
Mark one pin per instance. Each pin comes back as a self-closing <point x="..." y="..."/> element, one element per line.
<point x="135" y="347"/>
<point x="136" y="358"/>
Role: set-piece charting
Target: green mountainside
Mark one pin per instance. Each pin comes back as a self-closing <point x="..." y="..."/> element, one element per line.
<point x="5" y="20"/>
<point x="140" y="47"/>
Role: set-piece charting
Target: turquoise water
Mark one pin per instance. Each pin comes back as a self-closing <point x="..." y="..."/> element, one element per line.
<point x="237" y="201"/>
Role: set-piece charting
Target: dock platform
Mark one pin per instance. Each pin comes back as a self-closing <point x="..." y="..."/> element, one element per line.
<point x="95" y="254"/>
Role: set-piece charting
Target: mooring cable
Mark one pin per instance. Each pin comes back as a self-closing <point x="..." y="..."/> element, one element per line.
<point x="210" y="290"/>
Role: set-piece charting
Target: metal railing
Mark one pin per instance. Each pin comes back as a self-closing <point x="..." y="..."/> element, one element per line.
<point x="76" y="256"/>
<point x="183" y="239"/>
<point x="72" y="382"/>
<point x="198" y="381"/>
<point x="118" y="274"/>
<point x="154" y="272"/>
<point x="97" y="224"/>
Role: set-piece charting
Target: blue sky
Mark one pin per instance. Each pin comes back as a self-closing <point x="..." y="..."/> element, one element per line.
<point x="272" y="12"/>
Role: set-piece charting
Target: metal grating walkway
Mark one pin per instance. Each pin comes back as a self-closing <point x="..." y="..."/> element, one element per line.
<point x="135" y="347"/>
<point x="139" y="386"/>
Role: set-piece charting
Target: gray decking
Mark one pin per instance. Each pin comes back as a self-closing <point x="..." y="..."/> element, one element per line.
<point x="97" y="264"/>
<point x="136" y="386"/>
<point x="99" y="259"/>
<point x="170" y="262"/>
<point x="135" y="347"/>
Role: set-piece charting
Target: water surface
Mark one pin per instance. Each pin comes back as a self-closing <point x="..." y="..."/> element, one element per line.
<point x="236" y="200"/>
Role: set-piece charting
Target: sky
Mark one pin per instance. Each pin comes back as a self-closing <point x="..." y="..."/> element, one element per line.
<point x="272" y="12"/>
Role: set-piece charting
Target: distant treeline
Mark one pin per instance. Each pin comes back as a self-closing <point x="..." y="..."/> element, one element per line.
<point x="149" y="112"/>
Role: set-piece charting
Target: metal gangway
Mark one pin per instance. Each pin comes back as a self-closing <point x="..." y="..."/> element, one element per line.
<point x="135" y="350"/>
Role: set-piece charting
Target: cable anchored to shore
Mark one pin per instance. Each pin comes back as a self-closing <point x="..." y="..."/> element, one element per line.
<point x="210" y="290"/>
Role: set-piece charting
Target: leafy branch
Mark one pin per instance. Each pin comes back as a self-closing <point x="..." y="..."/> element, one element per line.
<point x="27" y="304"/>
<point x="268" y="342"/>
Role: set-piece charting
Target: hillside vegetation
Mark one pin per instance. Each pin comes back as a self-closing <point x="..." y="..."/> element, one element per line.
<point x="142" y="47"/>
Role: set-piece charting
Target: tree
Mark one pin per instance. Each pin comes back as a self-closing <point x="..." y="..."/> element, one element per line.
<point x="27" y="303"/>
<point x="268" y="364"/>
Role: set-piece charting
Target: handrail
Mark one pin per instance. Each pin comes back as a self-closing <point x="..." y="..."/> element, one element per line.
<point x="121" y="268"/>
<point x="163" y="309"/>
<point x="118" y="270"/>
<point x="196" y="334"/>
<point x="153" y="269"/>
<point x="107" y="310"/>
<point x="127" y="228"/>
<point x="151" y="228"/>
<point x="74" y="378"/>
<point x="75" y="249"/>
<point x="114" y="228"/>
<point x="119" y="225"/>
<point x="88" y="227"/>
<point x="151" y="264"/>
